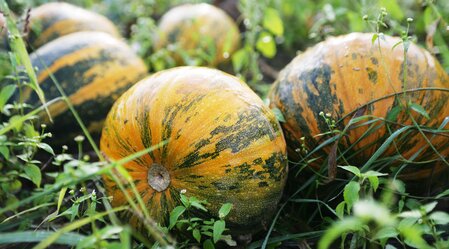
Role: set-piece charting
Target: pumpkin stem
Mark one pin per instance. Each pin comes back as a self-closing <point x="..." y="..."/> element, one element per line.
<point x="158" y="177"/>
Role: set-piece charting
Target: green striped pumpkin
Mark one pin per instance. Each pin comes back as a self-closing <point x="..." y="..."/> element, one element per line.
<point x="343" y="74"/>
<point x="93" y="69"/>
<point x="52" y="20"/>
<point x="224" y="145"/>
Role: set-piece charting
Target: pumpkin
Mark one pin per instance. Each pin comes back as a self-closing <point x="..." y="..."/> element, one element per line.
<point x="224" y="145"/>
<point x="348" y="76"/>
<point x="52" y="20"/>
<point x="203" y="27"/>
<point x="93" y="68"/>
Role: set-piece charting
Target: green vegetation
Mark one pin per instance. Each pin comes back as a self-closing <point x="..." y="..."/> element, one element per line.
<point x="55" y="195"/>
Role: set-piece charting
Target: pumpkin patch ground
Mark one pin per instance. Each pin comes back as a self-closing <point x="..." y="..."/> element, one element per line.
<point x="224" y="124"/>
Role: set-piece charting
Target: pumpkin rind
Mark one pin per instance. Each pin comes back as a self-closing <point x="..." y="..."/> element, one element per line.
<point x="52" y="20"/>
<point x="224" y="145"/>
<point x="344" y="73"/>
<point x="93" y="68"/>
<point x="192" y="26"/>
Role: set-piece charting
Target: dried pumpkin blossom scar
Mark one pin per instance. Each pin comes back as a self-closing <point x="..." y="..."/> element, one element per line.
<point x="158" y="177"/>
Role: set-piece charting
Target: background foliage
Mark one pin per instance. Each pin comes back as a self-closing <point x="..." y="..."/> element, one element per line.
<point x="48" y="195"/>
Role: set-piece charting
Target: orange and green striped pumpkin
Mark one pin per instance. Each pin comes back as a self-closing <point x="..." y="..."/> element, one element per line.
<point x="94" y="69"/>
<point x="203" y="27"/>
<point x="52" y="20"/>
<point x="224" y="145"/>
<point x="348" y="73"/>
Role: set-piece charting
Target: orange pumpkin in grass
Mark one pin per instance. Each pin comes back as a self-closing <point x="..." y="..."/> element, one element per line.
<point x="348" y="73"/>
<point x="194" y="27"/>
<point x="224" y="145"/>
<point x="52" y="20"/>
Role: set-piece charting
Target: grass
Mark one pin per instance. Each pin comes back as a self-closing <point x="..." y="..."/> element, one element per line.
<point x="335" y="205"/>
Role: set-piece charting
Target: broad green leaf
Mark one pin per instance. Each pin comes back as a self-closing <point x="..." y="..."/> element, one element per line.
<point x="5" y="94"/>
<point x="266" y="45"/>
<point x="5" y="152"/>
<point x="386" y="233"/>
<point x="430" y="206"/>
<point x="196" y="235"/>
<point x="440" y="218"/>
<point x="273" y="22"/>
<point x="224" y="210"/>
<point x="219" y="227"/>
<point x="352" y="169"/>
<point x="46" y="147"/>
<point x="419" y="109"/>
<point x="34" y="172"/>
<point x="208" y="244"/>
<point x="351" y="193"/>
<point x="175" y="214"/>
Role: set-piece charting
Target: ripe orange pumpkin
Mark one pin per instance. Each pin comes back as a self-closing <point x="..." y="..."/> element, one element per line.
<point x="224" y="145"/>
<point x="52" y="20"/>
<point x="194" y="27"/>
<point x="94" y="69"/>
<point x="345" y="73"/>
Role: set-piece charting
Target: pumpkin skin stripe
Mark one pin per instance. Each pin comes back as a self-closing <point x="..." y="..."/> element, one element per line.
<point x="53" y="20"/>
<point x="222" y="144"/>
<point x="94" y="72"/>
<point x="343" y="73"/>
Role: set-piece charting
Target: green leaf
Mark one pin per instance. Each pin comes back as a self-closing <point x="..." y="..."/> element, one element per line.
<point x="5" y="152"/>
<point x="219" y="227"/>
<point x="34" y="173"/>
<point x="413" y="237"/>
<point x="374" y="38"/>
<point x="240" y="59"/>
<point x="374" y="181"/>
<point x="419" y="109"/>
<point x="224" y="210"/>
<point x="351" y="193"/>
<point x="393" y="114"/>
<point x="5" y="94"/>
<point x="337" y="229"/>
<point x="46" y="147"/>
<point x="442" y="194"/>
<point x="278" y="114"/>
<point x="340" y="210"/>
<point x="273" y="22"/>
<point x="196" y="235"/>
<point x="430" y="206"/>
<point x="386" y="233"/>
<point x="266" y="45"/>
<point x="208" y="244"/>
<point x="352" y="169"/>
<point x="440" y="218"/>
<point x="198" y="205"/>
<point x="175" y="214"/>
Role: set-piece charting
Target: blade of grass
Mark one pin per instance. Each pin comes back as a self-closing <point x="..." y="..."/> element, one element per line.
<point x="71" y="239"/>
<point x="19" y="49"/>
<point x="72" y="226"/>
